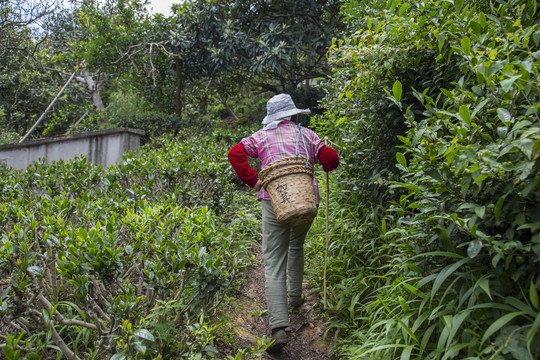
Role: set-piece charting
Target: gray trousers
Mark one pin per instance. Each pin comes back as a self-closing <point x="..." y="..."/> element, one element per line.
<point x="283" y="251"/>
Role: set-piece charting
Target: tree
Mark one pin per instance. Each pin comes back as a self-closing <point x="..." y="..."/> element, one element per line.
<point x="24" y="88"/>
<point x="288" y="39"/>
<point x="274" y="45"/>
<point x="117" y="41"/>
<point x="16" y="17"/>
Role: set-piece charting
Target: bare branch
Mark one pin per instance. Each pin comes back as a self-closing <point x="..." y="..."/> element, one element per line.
<point x="61" y="344"/>
<point x="99" y="310"/>
<point x="152" y="69"/>
<point x="48" y="107"/>
<point x="128" y="54"/>
<point x="48" y="306"/>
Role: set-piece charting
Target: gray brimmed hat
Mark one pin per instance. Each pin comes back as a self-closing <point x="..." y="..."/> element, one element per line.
<point x="281" y="106"/>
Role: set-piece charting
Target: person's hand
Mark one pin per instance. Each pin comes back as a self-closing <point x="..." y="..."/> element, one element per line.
<point x="258" y="185"/>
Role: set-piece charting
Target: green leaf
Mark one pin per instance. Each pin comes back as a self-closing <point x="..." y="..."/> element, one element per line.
<point x="505" y="116"/>
<point x="521" y="124"/>
<point x="532" y="110"/>
<point x="383" y="347"/>
<point x="465" y="113"/>
<point x="494" y="68"/>
<point x="533" y="226"/>
<point x="532" y="8"/>
<point x="516" y="303"/>
<point x="414" y="290"/>
<point x="456" y="324"/>
<point x="477" y="28"/>
<point x="536" y="37"/>
<point x="503" y="320"/>
<point x="404" y="140"/>
<point x="408" y="330"/>
<point x="397" y="90"/>
<point x="83" y="234"/>
<point x="482" y="19"/>
<point x="140" y="347"/>
<point x="34" y="270"/>
<point x="484" y="285"/>
<point x="406" y="353"/>
<point x="73" y="306"/>
<point x="444" y="274"/>
<point x="506" y="84"/>
<point x="481" y="177"/>
<point x="466" y="45"/>
<point x="533" y="296"/>
<point x="474" y="248"/>
<point x="145" y="334"/>
<point x="401" y="159"/>
<point x="479" y="107"/>
<point x="450" y="353"/>
<point x="533" y="331"/>
<point x="526" y="146"/>
<point x="527" y="65"/>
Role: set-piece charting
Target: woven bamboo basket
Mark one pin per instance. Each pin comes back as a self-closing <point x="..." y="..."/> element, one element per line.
<point x="290" y="185"/>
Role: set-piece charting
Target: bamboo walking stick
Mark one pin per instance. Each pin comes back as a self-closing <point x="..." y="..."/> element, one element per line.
<point x="326" y="140"/>
<point x="326" y="220"/>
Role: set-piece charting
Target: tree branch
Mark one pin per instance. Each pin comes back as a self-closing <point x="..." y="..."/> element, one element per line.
<point x="61" y="344"/>
<point x="48" y="306"/>
<point x="48" y="107"/>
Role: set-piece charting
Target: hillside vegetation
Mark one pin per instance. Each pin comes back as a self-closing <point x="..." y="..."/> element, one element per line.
<point x="434" y="229"/>
<point x="133" y="262"/>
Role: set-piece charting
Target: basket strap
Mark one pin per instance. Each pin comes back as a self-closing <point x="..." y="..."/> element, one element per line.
<point x="304" y="141"/>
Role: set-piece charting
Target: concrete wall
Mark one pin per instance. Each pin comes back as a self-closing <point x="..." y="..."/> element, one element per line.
<point x="104" y="147"/>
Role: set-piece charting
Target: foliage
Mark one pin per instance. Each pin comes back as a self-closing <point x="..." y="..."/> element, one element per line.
<point x="434" y="210"/>
<point x="209" y="53"/>
<point x="131" y="110"/>
<point x="22" y="97"/>
<point x="288" y="40"/>
<point x="444" y="262"/>
<point x="128" y="262"/>
<point x="115" y="45"/>
<point x="234" y="45"/>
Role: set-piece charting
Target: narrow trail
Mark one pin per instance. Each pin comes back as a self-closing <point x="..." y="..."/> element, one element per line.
<point x="248" y="320"/>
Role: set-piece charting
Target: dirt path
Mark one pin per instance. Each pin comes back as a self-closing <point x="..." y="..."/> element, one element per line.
<point x="249" y="321"/>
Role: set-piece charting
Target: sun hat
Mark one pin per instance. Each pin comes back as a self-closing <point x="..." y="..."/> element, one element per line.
<point x="281" y="106"/>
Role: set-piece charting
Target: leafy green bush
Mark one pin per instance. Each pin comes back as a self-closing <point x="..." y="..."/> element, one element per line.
<point x="6" y="135"/>
<point x="130" y="262"/>
<point x="446" y="264"/>
<point x="134" y="111"/>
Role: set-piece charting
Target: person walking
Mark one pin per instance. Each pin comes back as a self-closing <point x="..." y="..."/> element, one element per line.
<point x="283" y="245"/>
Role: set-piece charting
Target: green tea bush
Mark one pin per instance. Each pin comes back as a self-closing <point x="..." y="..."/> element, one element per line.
<point x="130" y="262"/>
<point x="134" y="111"/>
<point x="445" y="251"/>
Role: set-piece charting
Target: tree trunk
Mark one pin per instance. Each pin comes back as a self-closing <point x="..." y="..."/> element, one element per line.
<point x="178" y="94"/>
<point x="94" y="90"/>
<point x="227" y="107"/>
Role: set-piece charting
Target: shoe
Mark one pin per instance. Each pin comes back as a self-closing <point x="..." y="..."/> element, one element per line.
<point x="280" y="340"/>
<point x="297" y="301"/>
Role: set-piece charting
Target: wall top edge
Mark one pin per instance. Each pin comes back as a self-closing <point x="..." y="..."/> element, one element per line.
<point x="83" y="135"/>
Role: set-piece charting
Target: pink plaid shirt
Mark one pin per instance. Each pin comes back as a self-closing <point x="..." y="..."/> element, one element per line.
<point x="274" y="144"/>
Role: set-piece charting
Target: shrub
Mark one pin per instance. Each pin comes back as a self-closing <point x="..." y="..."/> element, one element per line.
<point x="130" y="262"/>
<point x="446" y="261"/>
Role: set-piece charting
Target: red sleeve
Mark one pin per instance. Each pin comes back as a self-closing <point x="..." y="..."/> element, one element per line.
<point x="239" y="161"/>
<point x="328" y="158"/>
